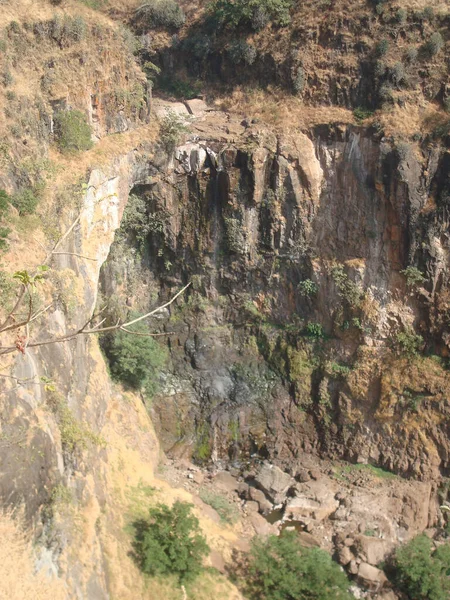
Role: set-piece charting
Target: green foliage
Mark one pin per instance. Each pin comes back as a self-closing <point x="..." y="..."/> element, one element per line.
<point x="338" y="370"/>
<point x="162" y="13"/>
<point x="413" y="276"/>
<point x="235" y="235"/>
<point x="242" y="52"/>
<point x="170" y="542"/>
<point x="381" y="48"/>
<point x="250" y="13"/>
<point x="314" y="330"/>
<point x="434" y="44"/>
<point x="74" y="434"/>
<point x="26" y="201"/>
<point x="348" y="290"/>
<point x="72" y="131"/>
<point x="227" y="511"/>
<point x="411" y="55"/>
<point x="401" y="16"/>
<point x="281" y="569"/>
<point x="185" y="89"/>
<point x="421" y="571"/>
<point x="408" y="343"/>
<point x="308" y="288"/>
<point x="299" y="81"/>
<point x="172" y="129"/>
<point x="361" y="114"/>
<point x="136" y="359"/>
<point x="202" y="450"/>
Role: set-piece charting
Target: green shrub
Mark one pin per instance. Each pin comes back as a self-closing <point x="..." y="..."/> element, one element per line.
<point x="170" y="542"/>
<point x="162" y="13"/>
<point x="136" y="359"/>
<point x="255" y="14"/>
<point x="26" y="201"/>
<point x="398" y="73"/>
<point x="5" y="201"/>
<point x="224" y="508"/>
<point x="401" y="16"/>
<point x="413" y="276"/>
<point x="434" y="44"/>
<point x="314" y="330"/>
<point x="411" y="55"/>
<point x="281" y="569"/>
<point x="172" y="129"/>
<point x="308" y="288"/>
<point x="427" y="13"/>
<point x="361" y="114"/>
<point x="72" y="131"/>
<point x="240" y="51"/>
<point x="348" y="290"/>
<point x="299" y="81"/>
<point x="381" y="48"/>
<point x="421" y="571"/>
<point x="408" y="343"/>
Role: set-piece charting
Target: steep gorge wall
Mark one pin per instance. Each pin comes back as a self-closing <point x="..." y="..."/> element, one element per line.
<point x="259" y="366"/>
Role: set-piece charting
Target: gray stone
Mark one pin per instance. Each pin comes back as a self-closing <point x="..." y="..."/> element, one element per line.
<point x="274" y="482"/>
<point x="370" y="577"/>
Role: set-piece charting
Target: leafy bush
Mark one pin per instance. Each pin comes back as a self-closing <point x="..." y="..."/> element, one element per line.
<point x="224" y="508"/>
<point x="281" y="569"/>
<point x="308" y="288"/>
<point x="381" y="48"/>
<point x="408" y="343"/>
<point x="434" y="44"/>
<point x="250" y="13"/>
<point x="136" y="359"/>
<point x="398" y="73"/>
<point x="162" y="13"/>
<point x="72" y="131"/>
<point x="401" y="16"/>
<point x="314" y="330"/>
<point x="348" y="290"/>
<point x="413" y="276"/>
<point x="421" y="571"/>
<point x="170" y="542"/>
<point x="361" y="114"/>
<point x="26" y="201"/>
<point x="299" y="80"/>
<point x="411" y="55"/>
<point x="171" y="131"/>
<point x="240" y="51"/>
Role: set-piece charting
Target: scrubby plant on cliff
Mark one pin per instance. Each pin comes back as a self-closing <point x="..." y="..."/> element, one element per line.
<point x="26" y="201"/>
<point x="136" y="359"/>
<point x="413" y="275"/>
<point x="308" y="288"/>
<point x="250" y="13"/>
<point x="72" y="131"/>
<point x="161" y="13"/>
<point x="408" y="343"/>
<point x="170" y="542"/>
<point x="422" y="571"/>
<point x="172" y="129"/>
<point x="279" y="568"/>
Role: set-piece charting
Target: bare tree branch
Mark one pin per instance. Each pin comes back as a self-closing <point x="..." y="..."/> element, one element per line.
<point x="75" y="254"/>
<point x="83" y="331"/>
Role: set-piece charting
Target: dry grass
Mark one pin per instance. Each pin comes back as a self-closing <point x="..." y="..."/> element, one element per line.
<point x="277" y="107"/>
<point x="18" y="581"/>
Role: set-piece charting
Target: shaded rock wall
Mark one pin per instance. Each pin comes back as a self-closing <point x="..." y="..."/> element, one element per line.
<point x="257" y="364"/>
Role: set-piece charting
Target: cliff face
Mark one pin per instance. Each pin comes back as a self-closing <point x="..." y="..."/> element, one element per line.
<point x="291" y="338"/>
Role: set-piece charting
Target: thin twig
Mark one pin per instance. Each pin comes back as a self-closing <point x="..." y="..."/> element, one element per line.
<point x="77" y="255"/>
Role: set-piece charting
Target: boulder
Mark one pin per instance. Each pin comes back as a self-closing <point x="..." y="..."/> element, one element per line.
<point x="260" y="525"/>
<point x="259" y="497"/>
<point x="314" y="500"/>
<point x="226" y="482"/>
<point x="370" y="577"/>
<point x="274" y="482"/>
<point x="374" y="549"/>
<point x="251" y="506"/>
<point x="345" y="556"/>
<point x="307" y="540"/>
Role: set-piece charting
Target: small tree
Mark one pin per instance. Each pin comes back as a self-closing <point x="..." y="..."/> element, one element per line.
<point x="72" y="131"/>
<point x="280" y="568"/>
<point x="172" y="130"/>
<point x="422" y="572"/>
<point x="136" y="359"/>
<point x="170" y="542"/>
<point x="161" y="13"/>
